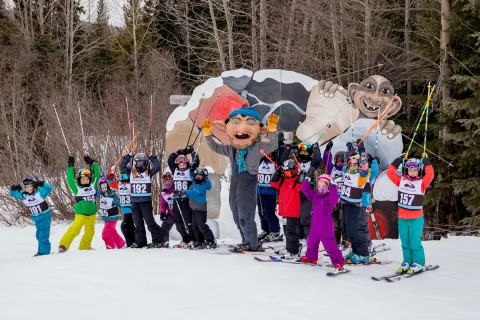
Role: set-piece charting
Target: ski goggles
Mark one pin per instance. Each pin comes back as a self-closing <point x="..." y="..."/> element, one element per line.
<point x="103" y="185"/>
<point x="124" y="177"/>
<point x="85" y="173"/>
<point x="339" y="160"/>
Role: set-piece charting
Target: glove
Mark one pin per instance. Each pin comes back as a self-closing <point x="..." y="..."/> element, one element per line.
<point x="349" y="146"/>
<point x="281" y="138"/>
<point x="207" y="127"/>
<point x="272" y="122"/>
<point x="71" y="161"/>
<point x="360" y="146"/>
<point x="89" y="160"/>
<point x="426" y="162"/>
<point x="16" y="187"/>
<point x="181" y="194"/>
<point x="397" y="162"/>
<point x="302" y="177"/>
<point x="188" y="150"/>
<point x="293" y="146"/>
<point x="378" y="160"/>
<point x="163" y="216"/>
<point x="329" y="146"/>
<point x="180" y="151"/>
<point x="39" y="183"/>
<point x="276" y="176"/>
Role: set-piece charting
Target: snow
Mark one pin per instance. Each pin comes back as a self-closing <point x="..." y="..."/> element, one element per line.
<point x="182" y="284"/>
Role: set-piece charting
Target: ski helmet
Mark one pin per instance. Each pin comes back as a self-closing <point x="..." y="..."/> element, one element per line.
<point x="338" y="160"/>
<point x="124" y="177"/>
<point x="289" y="168"/>
<point x="305" y="151"/>
<point x="412" y="163"/>
<point x="103" y="183"/>
<point x="84" y="173"/>
<point x="29" y="180"/>
<point x="203" y="172"/>
<point x="167" y="180"/>
<point x="326" y="178"/>
<point x="140" y="162"/>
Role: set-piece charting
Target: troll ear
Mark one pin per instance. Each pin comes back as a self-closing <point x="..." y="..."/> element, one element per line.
<point x="264" y="130"/>
<point x="352" y="89"/>
<point x="221" y="125"/>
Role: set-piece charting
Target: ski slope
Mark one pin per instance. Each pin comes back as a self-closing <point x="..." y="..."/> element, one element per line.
<point x="180" y="284"/>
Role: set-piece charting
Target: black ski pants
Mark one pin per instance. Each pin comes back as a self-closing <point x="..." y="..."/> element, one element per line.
<point x="183" y="219"/>
<point x="303" y="227"/>
<point x="352" y="214"/>
<point x="291" y="235"/>
<point x="143" y="214"/>
<point x="166" y="226"/>
<point x="128" y="229"/>
<point x="200" y="227"/>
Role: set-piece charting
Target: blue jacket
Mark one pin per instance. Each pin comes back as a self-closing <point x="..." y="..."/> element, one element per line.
<point x="367" y="195"/>
<point x="43" y="191"/>
<point x="115" y="203"/>
<point x="198" y="192"/>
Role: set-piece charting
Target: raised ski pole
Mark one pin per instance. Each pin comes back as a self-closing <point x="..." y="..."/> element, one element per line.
<point x="270" y="159"/>
<point x="436" y="155"/>
<point x="61" y="129"/>
<point x="150" y="142"/>
<point x="424" y="154"/>
<point x="211" y="108"/>
<point x="387" y="109"/>
<point x="126" y="150"/>
<point x="81" y="126"/>
<point x="195" y="120"/>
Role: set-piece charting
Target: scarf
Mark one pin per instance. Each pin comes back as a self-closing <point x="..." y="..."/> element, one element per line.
<point x="242" y="165"/>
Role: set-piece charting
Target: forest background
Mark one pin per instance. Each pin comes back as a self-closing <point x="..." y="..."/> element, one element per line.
<point x="51" y="54"/>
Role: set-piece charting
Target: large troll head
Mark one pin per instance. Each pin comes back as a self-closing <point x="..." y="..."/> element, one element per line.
<point x="243" y="126"/>
<point x="371" y="94"/>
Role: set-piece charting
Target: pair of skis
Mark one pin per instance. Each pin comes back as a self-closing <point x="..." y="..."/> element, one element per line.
<point x="393" y="277"/>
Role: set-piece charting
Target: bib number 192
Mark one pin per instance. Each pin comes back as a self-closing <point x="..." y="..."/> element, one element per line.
<point x="139" y="188"/>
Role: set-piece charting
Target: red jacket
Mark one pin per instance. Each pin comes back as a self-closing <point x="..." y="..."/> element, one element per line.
<point x="288" y="196"/>
<point x="427" y="179"/>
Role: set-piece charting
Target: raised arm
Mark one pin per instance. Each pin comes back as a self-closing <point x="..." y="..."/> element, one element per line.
<point x="156" y="165"/>
<point x="391" y="171"/>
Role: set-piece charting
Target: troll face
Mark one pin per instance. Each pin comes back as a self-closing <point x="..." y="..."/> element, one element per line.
<point x="372" y="94"/>
<point x="242" y="130"/>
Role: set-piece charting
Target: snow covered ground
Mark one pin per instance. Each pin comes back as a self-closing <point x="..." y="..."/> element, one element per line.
<point x="180" y="284"/>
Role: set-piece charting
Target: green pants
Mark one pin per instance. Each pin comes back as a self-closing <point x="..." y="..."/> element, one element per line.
<point x="410" y="231"/>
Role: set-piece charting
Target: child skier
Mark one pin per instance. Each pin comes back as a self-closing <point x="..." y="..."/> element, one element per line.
<point x="411" y="190"/>
<point x="309" y="161"/>
<point x="286" y="181"/>
<point x="141" y="197"/>
<point x="124" y="194"/>
<point x="34" y="197"/>
<point x="181" y="168"/>
<point x="267" y="201"/>
<point x="166" y="207"/>
<point x="197" y="193"/>
<point x="323" y="202"/>
<point x="109" y="205"/>
<point x="83" y="187"/>
<point x="351" y="198"/>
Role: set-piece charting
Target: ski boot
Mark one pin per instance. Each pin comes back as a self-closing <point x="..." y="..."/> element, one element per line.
<point x="358" y="259"/>
<point x="62" y="249"/>
<point x="403" y="267"/>
<point x="199" y="245"/>
<point x="263" y="235"/>
<point x="154" y="245"/>
<point x="281" y="251"/>
<point x="38" y="254"/>
<point x="136" y="246"/>
<point x="211" y="244"/>
<point x="273" y="237"/>
<point x="304" y="259"/>
<point x="291" y="256"/>
<point x="349" y="255"/>
<point x="416" y="268"/>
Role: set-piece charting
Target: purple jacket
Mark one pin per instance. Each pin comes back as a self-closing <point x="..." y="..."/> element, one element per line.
<point x="322" y="206"/>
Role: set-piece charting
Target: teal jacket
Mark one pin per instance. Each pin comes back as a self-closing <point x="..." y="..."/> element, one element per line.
<point x="43" y="191"/>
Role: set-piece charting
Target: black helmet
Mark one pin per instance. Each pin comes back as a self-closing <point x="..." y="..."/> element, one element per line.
<point x="84" y="173"/>
<point x="141" y="161"/>
<point x="29" y="180"/>
<point x="203" y="172"/>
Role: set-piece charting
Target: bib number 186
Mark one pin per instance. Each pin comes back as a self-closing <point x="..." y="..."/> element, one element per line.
<point x="181" y="185"/>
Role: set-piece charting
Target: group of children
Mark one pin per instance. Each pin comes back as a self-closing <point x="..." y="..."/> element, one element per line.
<point x="304" y="202"/>
<point x="131" y="197"/>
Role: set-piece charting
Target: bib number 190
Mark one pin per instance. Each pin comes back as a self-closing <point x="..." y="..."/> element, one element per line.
<point x="264" y="178"/>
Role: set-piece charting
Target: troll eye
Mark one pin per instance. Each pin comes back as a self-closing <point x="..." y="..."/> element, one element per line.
<point x="236" y="121"/>
<point x="370" y="87"/>
<point x="386" y="91"/>
<point x="251" y="122"/>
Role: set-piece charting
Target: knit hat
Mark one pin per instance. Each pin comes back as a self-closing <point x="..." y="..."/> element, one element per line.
<point x="247" y="112"/>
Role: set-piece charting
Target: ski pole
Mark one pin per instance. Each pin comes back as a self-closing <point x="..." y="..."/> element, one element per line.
<point x="181" y="215"/>
<point x="211" y="108"/>
<point x="81" y="126"/>
<point x="436" y="155"/>
<point x="424" y="154"/>
<point x="125" y="150"/>
<point x="375" y="225"/>
<point x="195" y="120"/>
<point x="389" y="107"/>
<point x="61" y="129"/>
<point x="150" y="125"/>
<point x="270" y="159"/>
<point x="378" y="130"/>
